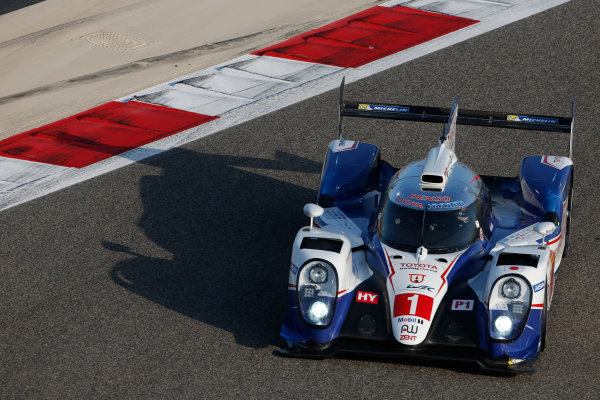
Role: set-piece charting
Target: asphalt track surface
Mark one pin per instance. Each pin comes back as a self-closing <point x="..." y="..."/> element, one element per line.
<point x="167" y="278"/>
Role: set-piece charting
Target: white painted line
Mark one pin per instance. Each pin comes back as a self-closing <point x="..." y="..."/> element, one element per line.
<point x="15" y="173"/>
<point x="473" y="9"/>
<point x="221" y="89"/>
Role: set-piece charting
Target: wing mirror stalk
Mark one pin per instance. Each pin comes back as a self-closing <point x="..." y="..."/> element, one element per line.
<point x="311" y="211"/>
<point x="544" y="229"/>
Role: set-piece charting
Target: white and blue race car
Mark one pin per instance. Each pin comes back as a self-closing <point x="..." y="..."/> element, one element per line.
<point x="431" y="261"/>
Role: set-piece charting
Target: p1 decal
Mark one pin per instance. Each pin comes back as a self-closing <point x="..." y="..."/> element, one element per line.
<point x="413" y="304"/>
<point x="462" y="305"/>
<point x="538" y="286"/>
<point x="367" y="297"/>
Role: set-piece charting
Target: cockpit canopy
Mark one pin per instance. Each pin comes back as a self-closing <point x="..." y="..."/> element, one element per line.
<point x="443" y="221"/>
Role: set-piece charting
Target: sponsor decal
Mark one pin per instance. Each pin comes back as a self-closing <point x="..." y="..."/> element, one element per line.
<point x="462" y="305"/>
<point x="410" y="203"/>
<point x="454" y="204"/>
<point x="557" y="162"/>
<point x="528" y="234"/>
<point x="514" y="268"/>
<point x="421" y="287"/>
<point x="336" y="216"/>
<point x="367" y="297"/>
<point x="428" y="267"/>
<point x="551" y="161"/>
<point x="532" y="120"/>
<point x="293" y="269"/>
<point x="409" y="329"/>
<point x="418" y="305"/>
<point x="538" y="286"/>
<point x="375" y="107"/>
<point x="411" y="320"/>
<point x="429" y="198"/>
<point x="408" y="337"/>
<point x="345" y="146"/>
<point x="416" y="278"/>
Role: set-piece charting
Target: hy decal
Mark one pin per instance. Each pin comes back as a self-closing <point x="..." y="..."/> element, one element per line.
<point x="367" y="297"/>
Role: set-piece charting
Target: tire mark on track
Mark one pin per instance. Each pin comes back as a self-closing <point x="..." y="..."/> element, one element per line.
<point x="32" y="37"/>
<point x="139" y="65"/>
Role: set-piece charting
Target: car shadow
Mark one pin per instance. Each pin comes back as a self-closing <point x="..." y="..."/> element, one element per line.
<point x="8" y="6"/>
<point x="229" y="232"/>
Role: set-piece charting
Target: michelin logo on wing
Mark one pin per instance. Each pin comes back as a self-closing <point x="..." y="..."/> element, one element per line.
<point x="374" y="107"/>
<point x="532" y="120"/>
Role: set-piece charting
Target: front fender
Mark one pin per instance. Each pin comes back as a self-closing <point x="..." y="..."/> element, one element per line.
<point x="351" y="269"/>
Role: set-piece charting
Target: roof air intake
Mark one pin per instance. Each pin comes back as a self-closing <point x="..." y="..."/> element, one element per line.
<point x="432" y="179"/>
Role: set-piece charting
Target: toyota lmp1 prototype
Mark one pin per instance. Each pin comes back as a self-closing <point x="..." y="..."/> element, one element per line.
<point x="431" y="261"/>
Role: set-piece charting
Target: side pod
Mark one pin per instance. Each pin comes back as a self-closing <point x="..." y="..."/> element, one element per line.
<point x="545" y="184"/>
<point x="349" y="172"/>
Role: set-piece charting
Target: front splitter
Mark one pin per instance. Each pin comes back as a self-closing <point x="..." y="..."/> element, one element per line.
<point x="442" y="354"/>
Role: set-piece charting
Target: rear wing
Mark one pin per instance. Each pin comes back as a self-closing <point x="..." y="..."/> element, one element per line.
<point x="465" y="117"/>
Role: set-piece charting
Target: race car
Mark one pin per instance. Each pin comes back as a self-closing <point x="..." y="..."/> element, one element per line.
<point x="430" y="261"/>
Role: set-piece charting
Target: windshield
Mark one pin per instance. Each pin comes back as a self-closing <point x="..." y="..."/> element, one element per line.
<point x="446" y="231"/>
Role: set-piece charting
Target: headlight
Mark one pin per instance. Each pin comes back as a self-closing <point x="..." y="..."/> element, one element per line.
<point x="318" y="311"/>
<point x="509" y="304"/>
<point x="318" y="273"/>
<point x="317" y="292"/>
<point x="511" y="289"/>
<point x="503" y="324"/>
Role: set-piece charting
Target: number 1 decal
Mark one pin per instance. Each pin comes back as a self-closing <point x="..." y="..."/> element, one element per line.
<point x="413" y="304"/>
<point x="418" y="305"/>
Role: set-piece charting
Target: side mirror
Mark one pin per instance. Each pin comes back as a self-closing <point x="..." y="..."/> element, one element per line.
<point x="544" y="229"/>
<point x="311" y="211"/>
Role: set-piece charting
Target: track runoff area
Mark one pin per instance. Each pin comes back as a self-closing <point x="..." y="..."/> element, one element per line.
<point x="127" y="130"/>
